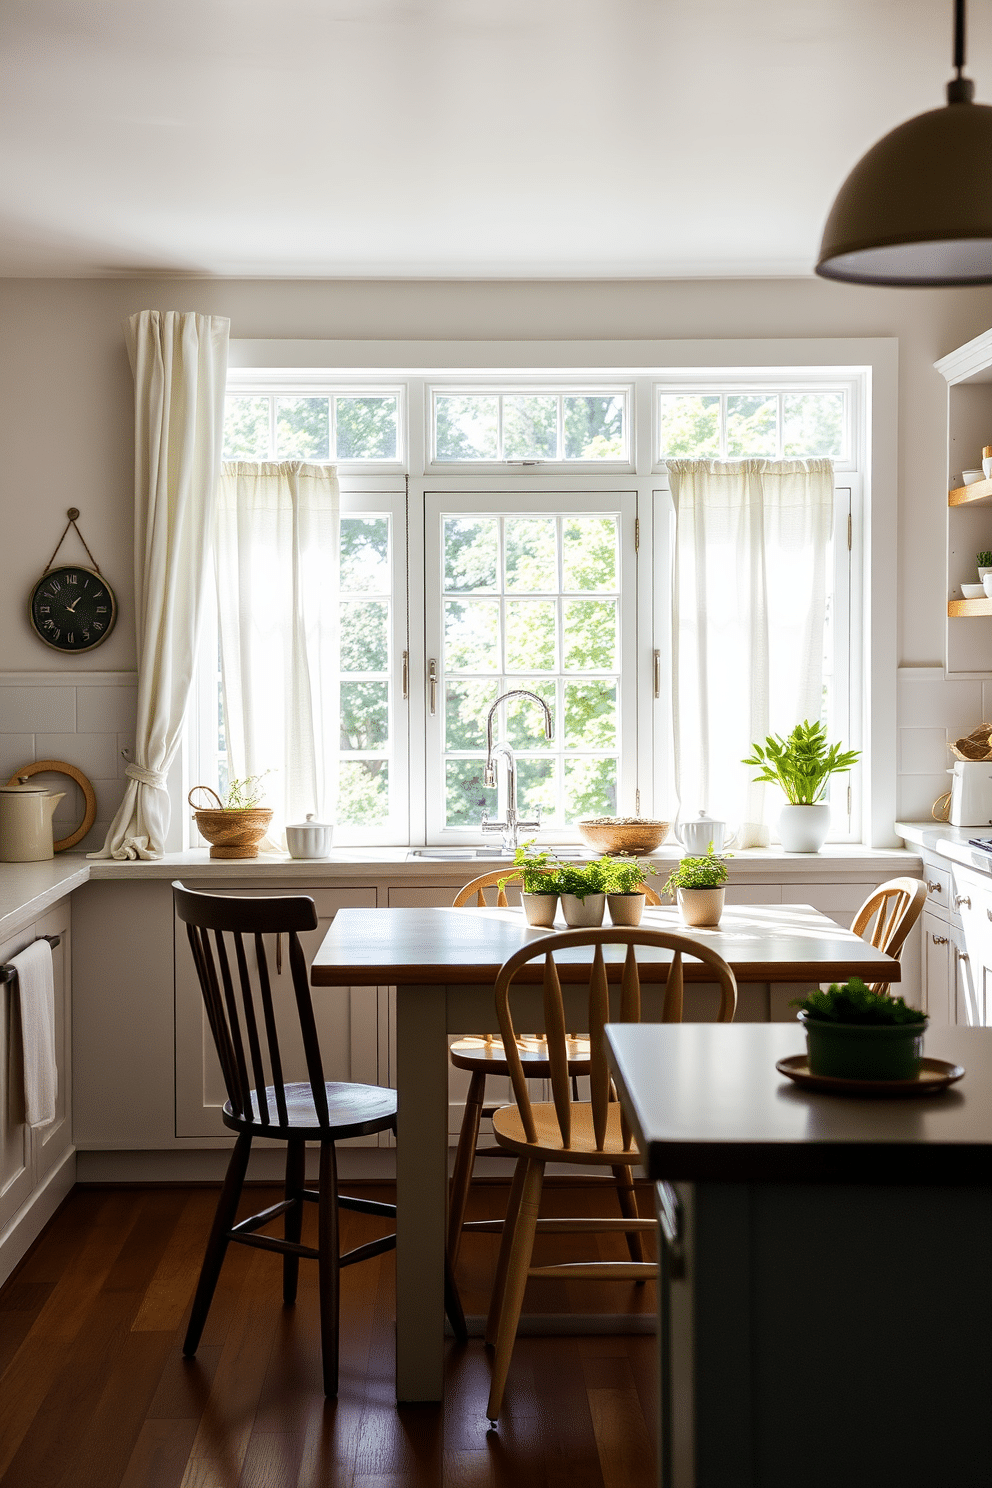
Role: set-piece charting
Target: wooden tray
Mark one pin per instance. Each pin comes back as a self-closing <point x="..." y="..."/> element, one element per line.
<point x="934" y="1075"/>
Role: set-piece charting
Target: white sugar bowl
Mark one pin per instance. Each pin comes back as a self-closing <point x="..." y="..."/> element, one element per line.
<point x="309" y="839"/>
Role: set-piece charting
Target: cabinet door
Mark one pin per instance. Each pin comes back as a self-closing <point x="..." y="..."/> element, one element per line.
<point x="967" y="1005"/>
<point x="973" y="949"/>
<point x="936" y="960"/>
<point x="347" y="1021"/>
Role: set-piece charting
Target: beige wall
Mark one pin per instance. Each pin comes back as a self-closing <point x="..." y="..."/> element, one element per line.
<point x="65" y="394"/>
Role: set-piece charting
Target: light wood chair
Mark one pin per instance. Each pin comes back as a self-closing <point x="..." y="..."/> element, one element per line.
<point x="888" y="915"/>
<point x="483" y="1057"/>
<point x="593" y="1132"/>
<point x="246" y="1021"/>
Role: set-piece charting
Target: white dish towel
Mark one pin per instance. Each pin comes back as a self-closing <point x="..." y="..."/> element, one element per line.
<point x="36" y="985"/>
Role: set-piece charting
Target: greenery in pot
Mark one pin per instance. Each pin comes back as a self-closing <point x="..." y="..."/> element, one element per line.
<point x="854" y="1003"/>
<point x="708" y="872"/>
<point x="802" y="764"/>
<point x="581" y="882"/>
<point x="244" y="795"/>
<point x="537" y="870"/>
<point x="984" y="559"/>
<point x="625" y="875"/>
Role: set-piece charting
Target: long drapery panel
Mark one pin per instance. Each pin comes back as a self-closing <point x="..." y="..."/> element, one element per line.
<point x="752" y="541"/>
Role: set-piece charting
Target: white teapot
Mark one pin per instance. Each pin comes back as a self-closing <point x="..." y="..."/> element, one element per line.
<point x="696" y="836"/>
<point x="26" y="811"/>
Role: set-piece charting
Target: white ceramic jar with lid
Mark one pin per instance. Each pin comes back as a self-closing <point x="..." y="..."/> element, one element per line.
<point x="696" y="836"/>
<point x="26" y="812"/>
<point x="309" y="839"/>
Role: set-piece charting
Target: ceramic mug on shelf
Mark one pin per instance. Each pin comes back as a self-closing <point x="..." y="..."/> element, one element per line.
<point x="696" y="836"/>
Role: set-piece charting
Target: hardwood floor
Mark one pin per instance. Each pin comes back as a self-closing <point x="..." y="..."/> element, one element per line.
<point x="94" y="1392"/>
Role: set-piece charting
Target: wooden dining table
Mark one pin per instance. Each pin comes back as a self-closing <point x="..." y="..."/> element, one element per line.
<point x="443" y="964"/>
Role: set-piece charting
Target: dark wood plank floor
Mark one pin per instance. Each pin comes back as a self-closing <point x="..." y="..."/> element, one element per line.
<point x="94" y="1392"/>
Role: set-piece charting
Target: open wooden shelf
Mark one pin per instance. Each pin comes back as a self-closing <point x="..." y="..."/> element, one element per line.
<point x="979" y="493"/>
<point x="969" y="607"/>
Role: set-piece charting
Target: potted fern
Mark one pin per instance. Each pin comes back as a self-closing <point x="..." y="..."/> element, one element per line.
<point x="853" y="1033"/>
<point x="625" y="888"/>
<point x="536" y="872"/>
<point x="583" y="894"/>
<point x="802" y="766"/>
<point x="698" y="884"/>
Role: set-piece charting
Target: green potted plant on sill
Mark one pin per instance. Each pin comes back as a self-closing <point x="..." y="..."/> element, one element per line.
<point x="853" y="1033"/>
<point x="583" y="893"/>
<point x="802" y="766"/>
<point x="536" y="871"/>
<point x="625" y="888"/>
<point x="698" y="884"/>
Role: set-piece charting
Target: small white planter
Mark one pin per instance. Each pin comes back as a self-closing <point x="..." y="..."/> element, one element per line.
<point x="583" y="914"/>
<point x="626" y="909"/>
<point x="539" y="909"/>
<point x="701" y="908"/>
<point x="803" y="829"/>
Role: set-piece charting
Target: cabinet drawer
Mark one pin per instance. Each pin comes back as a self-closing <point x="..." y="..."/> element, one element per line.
<point x="938" y="880"/>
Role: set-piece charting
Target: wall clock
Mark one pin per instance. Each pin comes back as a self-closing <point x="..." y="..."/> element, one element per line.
<point x="72" y="607"/>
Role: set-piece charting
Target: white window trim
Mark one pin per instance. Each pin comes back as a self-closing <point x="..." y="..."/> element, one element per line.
<point x="417" y="362"/>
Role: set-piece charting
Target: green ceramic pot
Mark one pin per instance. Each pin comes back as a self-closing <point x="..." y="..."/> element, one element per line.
<point x="863" y="1051"/>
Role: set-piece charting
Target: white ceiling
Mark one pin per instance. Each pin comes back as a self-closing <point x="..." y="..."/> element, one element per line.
<point x="449" y="138"/>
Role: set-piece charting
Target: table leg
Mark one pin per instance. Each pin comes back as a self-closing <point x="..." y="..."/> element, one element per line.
<point x="421" y="1191"/>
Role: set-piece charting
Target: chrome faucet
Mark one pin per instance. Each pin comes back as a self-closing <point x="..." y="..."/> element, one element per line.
<point x="511" y="824"/>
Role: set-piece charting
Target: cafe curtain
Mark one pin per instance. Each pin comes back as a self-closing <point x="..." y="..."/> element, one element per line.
<point x="179" y="363"/>
<point x="749" y="610"/>
<point x="278" y="536"/>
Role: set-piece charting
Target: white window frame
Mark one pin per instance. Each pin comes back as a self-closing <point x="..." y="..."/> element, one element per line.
<point x="312" y="383"/>
<point x="724" y="387"/>
<point x="553" y="386"/>
<point x="643" y="365"/>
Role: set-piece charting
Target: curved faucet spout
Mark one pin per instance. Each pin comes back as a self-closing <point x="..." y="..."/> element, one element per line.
<point x="549" y="728"/>
<point x="511" y="824"/>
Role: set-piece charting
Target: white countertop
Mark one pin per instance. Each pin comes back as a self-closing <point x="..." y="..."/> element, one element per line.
<point x="28" y="889"/>
<point x="948" y="842"/>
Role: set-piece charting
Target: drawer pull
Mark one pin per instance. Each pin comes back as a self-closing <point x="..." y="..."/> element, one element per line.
<point x="934" y="887"/>
<point x="962" y="955"/>
<point x="960" y="899"/>
<point x="939" y="939"/>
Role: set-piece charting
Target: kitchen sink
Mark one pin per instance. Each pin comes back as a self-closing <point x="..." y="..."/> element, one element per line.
<point x="460" y="854"/>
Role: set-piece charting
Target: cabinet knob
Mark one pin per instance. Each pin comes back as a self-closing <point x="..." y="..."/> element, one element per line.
<point x="962" y="955"/>
<point x="939" y="939"/>
<point x="960" y="899"/>
<point x="934" y="888"/>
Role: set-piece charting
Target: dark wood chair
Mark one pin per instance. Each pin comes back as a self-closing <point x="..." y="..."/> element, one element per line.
<point x="226" y="939"/>
<point x="483" y="1057"/>
<point x="593" y="1132"/>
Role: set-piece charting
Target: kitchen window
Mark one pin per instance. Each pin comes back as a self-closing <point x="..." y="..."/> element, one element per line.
<point x="491" y="541"/>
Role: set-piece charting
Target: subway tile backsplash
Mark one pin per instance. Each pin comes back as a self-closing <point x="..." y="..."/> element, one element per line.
<point x="932" y="712"/>
<point x="85" y="719"/>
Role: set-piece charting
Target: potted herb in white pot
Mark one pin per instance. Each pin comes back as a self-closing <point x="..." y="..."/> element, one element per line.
<point x="583" y="894"/>
<point x="698" y="883"/>
<point x="802" y="766"/>
<point x="625" y="888"/>
<point x="536" y="872"/>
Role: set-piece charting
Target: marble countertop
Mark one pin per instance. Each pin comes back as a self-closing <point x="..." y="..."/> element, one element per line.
<point x="948" y="842"/>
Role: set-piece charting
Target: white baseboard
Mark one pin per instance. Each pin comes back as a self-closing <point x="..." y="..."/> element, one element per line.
<point x="33" y="1215"/>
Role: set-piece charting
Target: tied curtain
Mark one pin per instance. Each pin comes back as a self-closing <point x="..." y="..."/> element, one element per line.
<point x="277" y="554"/>
<point x="179" y="362"/>
<point x="752" y="539"/>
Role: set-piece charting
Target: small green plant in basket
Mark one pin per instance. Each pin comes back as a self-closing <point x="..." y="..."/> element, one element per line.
<point x="244" y="795"/>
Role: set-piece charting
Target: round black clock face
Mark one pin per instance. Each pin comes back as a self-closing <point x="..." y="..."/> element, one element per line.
<point x="73" y="608"/>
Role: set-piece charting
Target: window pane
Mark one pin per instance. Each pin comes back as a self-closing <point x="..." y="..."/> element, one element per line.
<point x="246" y="428"/>
<point x="531" y="555"/>
<point x="471" y="635"/>
<point x="364" y="637"/>
<point x="752" y="424"/>
<point x="365" y="428"/>
<point x="594" y="428"/>
<point x="466" y="427"/>
<point x="363" y="793"/>
<point x="590" y="715"/>
<point x="530" y="428"/>
<point x="365" y="554"/>
<point x="590" y="788"/>
<point x="689" y="424"/>
<point x="530" y="634"/>
<point x="303" y="428"/>
<point x="536" y="787"/>
<point x="466" y="798"/>
<point x="471" y="554"/>
<point x="466" y="707"/>
<point x="590" y="635"/>
<point x="589" y="553"/>
<point x="813" y="424"/>
<point x="364" y="715"/>
<point x="525" y="720"/>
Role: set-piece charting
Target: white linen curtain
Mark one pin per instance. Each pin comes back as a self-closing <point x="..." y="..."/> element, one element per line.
<point x="749" y="608"/>
<point x="179" y="363"/>
<point x="277" y="555"/>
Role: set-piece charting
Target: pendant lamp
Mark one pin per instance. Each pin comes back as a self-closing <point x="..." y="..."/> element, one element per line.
<point x="917" y="209"/>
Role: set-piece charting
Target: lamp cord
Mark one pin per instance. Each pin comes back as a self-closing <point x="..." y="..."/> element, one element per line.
<point x="958" y="35"/>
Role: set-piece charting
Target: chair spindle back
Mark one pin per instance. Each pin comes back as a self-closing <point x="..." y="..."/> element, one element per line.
<point x="888" y="915"/>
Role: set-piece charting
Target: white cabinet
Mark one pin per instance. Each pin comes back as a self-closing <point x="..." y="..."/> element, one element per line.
<point x="37" y="1168"/>
<point x="936" y="960"/>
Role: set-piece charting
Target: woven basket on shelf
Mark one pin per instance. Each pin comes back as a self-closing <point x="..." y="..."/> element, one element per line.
<point x="232" y="832"/>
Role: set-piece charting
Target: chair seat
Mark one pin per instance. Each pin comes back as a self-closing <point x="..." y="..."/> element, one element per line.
<point x="353" y="1111"/>
<point x="476" y="1054"/>
<point x="508" y="1129"/>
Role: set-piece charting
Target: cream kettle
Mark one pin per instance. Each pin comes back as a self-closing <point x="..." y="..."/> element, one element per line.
<point x="26" y="812"/>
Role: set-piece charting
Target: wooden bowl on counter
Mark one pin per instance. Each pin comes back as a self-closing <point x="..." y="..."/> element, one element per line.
<point x="631" y="838"/>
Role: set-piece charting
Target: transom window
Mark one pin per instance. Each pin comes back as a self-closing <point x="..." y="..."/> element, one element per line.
<point x="530" y="425"/>
<point x="361" y="425"/>
<point x="762" y="423"/>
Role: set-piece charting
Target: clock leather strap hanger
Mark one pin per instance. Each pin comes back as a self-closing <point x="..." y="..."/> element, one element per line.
<point x="72" y="514"/>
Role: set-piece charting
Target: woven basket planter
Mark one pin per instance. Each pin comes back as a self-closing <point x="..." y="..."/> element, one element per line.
<point x="234" y="833"/>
